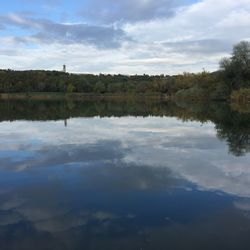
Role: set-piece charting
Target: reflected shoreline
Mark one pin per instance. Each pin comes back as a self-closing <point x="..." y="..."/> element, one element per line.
<point x="231" y="126"/>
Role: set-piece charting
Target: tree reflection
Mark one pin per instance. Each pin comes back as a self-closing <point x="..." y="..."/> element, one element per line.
<point x="231" y="125"/>
<point x="236" y="132"/>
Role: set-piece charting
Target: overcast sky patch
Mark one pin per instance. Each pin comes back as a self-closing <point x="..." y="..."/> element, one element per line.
<point x="129" y="37"/>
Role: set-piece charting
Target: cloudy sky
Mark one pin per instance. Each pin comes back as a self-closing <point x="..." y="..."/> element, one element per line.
<point x="117" y="36"/>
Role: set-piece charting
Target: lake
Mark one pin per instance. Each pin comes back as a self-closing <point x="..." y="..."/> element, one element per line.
<point x="123" y="175"/>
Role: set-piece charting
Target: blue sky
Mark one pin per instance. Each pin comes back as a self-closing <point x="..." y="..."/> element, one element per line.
<point x="116" y="36"/>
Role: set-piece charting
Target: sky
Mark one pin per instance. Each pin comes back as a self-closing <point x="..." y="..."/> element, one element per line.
<point x="117" y="36"/>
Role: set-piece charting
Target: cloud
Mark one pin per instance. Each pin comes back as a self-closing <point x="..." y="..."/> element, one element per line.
<point x="47" y="31"/>
<point x="8" y="52"/>
<point x="101" y="37"/>
<point x="110" y="11"/>
<point x="204" y="46"/>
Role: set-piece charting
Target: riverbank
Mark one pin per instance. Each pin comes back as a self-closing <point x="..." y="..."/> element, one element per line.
<point x="78" y="96"/>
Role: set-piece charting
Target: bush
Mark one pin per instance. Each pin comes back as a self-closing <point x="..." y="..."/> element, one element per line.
<point x="241" y="96"/>
<point x="195" y="93"/>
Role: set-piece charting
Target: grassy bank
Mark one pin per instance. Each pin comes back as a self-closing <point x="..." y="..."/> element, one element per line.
<point x="77" y="96"/>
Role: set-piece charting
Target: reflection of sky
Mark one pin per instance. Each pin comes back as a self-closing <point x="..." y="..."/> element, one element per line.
<point x="120" y="175"/>
<point x="189" y="150"/>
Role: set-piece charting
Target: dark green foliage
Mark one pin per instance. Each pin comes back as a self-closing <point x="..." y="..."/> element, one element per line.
<point x="54" y="81"/>
<point x="236" y="69"/>
<point x="191" y="86"/>
<point x="241" y="96"/>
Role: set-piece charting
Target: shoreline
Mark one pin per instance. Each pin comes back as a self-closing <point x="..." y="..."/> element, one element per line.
<point x="79" y="96"/>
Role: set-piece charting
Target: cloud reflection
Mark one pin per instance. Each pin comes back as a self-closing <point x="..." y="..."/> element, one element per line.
<point x="188" y="150"/>
<point x="131" y="177"/>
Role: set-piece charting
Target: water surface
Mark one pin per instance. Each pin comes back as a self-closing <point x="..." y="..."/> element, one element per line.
<point x="123" y="175"/>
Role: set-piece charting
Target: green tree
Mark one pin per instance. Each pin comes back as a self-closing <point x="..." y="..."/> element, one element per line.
<point x="70" y="88"/>
<point x="100" y="87"/>
<point x="236" y="69"/>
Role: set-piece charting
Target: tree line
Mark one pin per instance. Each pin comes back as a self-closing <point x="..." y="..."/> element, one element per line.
<point x="232" y="79"/>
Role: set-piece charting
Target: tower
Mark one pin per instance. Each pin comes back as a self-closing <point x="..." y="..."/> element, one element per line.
<point x="64" y="68"/>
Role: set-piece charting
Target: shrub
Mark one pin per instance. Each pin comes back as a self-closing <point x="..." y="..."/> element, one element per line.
<point x="241" y="96"/>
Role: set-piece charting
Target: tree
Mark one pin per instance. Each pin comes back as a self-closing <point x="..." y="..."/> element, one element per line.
<point x="70" y="88"/>
<point x="100" y="87"/>
<point x="236" y="70"/>
<point x="241" y="55"/>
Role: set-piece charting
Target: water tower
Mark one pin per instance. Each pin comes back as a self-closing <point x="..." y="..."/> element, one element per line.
<point x="64" y="68"/>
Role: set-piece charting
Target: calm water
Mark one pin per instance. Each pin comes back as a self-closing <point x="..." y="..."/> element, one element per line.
<point x="123" y="175"/>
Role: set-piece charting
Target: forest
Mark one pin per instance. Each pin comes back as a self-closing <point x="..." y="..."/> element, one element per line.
<point x="231" y="80"/>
